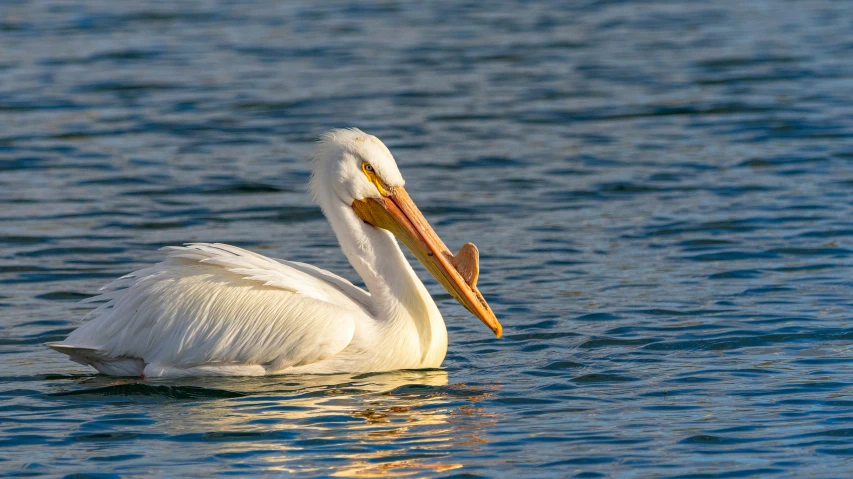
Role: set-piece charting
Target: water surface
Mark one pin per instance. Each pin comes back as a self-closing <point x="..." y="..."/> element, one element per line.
<point x="660" y="191"/>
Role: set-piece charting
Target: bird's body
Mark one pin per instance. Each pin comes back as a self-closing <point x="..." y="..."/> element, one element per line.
<point x="215" y="309"/>
<point x="251" y="315"/>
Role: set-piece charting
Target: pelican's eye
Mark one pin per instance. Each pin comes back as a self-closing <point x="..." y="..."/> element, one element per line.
<point x="374" y="178"/>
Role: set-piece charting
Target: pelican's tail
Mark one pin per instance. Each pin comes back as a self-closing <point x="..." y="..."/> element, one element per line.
<point x="105" y="364"/>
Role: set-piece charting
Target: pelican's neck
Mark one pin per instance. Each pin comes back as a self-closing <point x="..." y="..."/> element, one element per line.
<point x="400" y="301"/>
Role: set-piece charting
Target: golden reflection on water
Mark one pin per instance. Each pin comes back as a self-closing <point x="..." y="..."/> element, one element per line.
<point x="392" y="424"/>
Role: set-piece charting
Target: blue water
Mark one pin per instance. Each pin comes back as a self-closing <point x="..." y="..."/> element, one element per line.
<point x="662" y="194"/>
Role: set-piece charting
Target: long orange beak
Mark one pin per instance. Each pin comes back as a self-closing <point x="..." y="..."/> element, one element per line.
<point x="458" y="273"/>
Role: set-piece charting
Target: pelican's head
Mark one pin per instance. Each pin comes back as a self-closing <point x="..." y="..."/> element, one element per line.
<point x="363" y="174"/>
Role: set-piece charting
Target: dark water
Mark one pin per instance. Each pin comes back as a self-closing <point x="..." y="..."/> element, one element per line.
<point x="661" y="192"/>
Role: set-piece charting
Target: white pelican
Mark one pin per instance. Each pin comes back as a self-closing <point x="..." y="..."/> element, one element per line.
<point x="219" y="310"/>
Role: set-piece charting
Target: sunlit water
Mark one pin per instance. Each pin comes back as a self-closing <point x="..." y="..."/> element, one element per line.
<point x="661" y="193"/>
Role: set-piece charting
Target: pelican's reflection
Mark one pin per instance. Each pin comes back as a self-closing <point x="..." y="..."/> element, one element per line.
<point x="398" y="423"/>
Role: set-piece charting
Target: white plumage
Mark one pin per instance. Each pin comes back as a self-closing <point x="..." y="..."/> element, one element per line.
<point x="216" y="309"/>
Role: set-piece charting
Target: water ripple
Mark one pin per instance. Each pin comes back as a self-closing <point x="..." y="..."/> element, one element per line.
<point x="660" y="192"/>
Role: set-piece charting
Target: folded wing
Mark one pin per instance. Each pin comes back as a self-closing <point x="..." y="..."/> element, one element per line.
<point x="218" y="308"/>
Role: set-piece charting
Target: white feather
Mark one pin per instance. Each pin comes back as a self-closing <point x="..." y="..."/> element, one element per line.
<point x="219" y="304"/>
